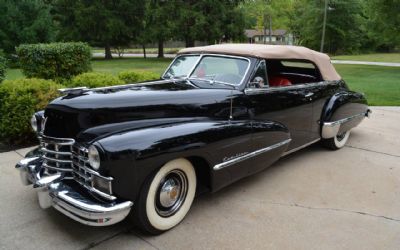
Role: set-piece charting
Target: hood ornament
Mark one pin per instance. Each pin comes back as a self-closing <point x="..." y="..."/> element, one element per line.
<point x="73" y="91"/>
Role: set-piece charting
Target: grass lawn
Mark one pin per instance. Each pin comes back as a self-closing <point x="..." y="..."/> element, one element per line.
<point x="380" y="84"/>
<point x="378" y="57"/>
<point x="115" y="66"/>
<point x="140" y="50"/>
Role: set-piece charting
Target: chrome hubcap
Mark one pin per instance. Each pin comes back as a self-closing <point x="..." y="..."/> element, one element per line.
<point x="171" y="193"/>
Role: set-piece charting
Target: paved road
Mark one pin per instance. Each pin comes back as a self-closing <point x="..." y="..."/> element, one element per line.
<point x="130" y="55"/>
<point x="313" y="199"/>
<point x="387" y="64"/>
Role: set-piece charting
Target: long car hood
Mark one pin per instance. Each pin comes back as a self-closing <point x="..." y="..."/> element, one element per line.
<point x="93" y="113"/>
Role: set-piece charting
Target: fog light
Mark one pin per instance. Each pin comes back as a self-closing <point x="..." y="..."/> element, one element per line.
<point x="101" y="184"/>
<point x="94" y="157"/>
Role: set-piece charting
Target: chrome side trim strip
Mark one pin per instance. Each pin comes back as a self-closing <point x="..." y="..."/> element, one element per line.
<point x="254" y="91"/>
<point x="301" y="147"/>
<point x="250" y="155"/>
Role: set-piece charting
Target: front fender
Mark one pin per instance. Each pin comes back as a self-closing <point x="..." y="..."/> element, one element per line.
<point x="343" y="111"/>
<point x="131" y="156"/>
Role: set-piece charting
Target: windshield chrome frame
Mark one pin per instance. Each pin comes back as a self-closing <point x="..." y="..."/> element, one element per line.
<point x="215" y="55"/>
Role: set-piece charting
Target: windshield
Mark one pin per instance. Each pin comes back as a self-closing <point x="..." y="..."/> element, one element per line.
<point x="181" y="66"/>
<point x="221" y="69"/>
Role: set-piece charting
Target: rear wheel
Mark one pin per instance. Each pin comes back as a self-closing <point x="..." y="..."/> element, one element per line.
<point x="166" y="197"/>
<point x="337" y="142"/>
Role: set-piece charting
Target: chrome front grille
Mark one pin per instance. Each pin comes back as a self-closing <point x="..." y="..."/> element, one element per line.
<point x="66" y="156"/>
<point x="57" y="153"/>
<point x="80" y="166"/>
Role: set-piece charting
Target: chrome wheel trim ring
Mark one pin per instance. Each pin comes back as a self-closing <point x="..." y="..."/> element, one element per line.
<point x="171" y="193"/>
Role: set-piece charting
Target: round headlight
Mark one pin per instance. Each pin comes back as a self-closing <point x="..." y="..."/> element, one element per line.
<point x="34" y="123"/>
<point x="94" y="157"/>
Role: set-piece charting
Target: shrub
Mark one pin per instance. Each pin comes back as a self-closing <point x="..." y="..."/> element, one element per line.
<point x="19" y="100"/>
<point x="54" y="60"/>
<point x="3" y="67"/>
<point x="93" y="80"/>
<point x="137" y="76"/>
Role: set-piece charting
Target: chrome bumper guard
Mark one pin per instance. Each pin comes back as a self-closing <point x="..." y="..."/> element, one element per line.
<point x="53" y="192"/>
<point x="331" y="129"/>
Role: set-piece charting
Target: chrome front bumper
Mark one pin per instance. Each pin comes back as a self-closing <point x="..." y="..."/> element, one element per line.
<point x="52" y="191"/>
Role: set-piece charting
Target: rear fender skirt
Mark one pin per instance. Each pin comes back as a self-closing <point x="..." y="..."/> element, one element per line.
<point x="344" y="111"/>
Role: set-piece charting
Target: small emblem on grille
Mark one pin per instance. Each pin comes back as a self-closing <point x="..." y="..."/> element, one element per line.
<point x="43" y="124"/>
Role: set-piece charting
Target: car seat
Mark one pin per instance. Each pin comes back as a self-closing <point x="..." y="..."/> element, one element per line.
<point x="278" y="81"/>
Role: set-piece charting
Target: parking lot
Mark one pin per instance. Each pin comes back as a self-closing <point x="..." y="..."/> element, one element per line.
<point x="312" y="199"/>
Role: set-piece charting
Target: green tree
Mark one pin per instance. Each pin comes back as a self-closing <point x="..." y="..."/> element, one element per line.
<point x="3" y="67"/>
<point x="160" y="22"/>
<point x="24" y="21"/>
<point x="265" y="14"/>
<point x="100" y="22"/>
<point x="384" y="23"/>
<point x="344" y="28"/>
<point x="210" y="21"/>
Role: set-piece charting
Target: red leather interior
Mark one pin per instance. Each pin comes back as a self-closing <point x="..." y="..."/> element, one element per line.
<point x="278" y="81"/>
<point x="200" y="72"/>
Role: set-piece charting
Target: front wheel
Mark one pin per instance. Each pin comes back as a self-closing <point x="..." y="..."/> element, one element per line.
<point x="166" y="197"/>
<point x="337" y="142"/>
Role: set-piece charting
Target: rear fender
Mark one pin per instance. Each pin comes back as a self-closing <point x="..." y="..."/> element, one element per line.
<point x="344" y="111"/>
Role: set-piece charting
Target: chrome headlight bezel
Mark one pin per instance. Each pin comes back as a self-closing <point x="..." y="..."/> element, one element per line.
<point x="34" y="123"/>
<point x="94" y="157"/>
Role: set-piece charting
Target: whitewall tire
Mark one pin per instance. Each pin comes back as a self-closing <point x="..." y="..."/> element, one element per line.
<point x="337" y="142"/>
<point x="166" y="197"/>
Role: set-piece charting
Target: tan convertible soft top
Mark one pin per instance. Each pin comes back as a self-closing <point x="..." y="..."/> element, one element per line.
<point x="322" y="61"/>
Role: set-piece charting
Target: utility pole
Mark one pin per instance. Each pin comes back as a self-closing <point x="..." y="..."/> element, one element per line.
<point x="270" y="28"/>
<point x="265" y="28"/>
<point x="324" y="26"/>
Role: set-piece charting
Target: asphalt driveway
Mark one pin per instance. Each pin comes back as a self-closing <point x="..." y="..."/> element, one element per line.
<point x="313" y="199"/>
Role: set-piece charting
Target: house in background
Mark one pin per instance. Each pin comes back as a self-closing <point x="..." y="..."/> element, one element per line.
<point x="278" y="36"/>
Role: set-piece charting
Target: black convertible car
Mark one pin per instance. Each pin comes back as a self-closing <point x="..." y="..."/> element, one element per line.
<point x="218" y="114"/>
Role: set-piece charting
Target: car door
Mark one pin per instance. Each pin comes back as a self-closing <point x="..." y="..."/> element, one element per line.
<point x="290" y="106"/>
